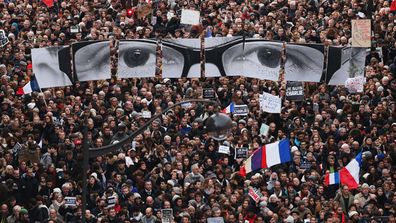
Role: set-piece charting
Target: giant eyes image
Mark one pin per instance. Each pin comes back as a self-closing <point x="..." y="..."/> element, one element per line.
<point x="172" y="63"/>
<point x="351" y="64"/>
<point x="46" y="68"/>
<point x="92" y="61"/>
<point x="304" y="63"/>
<point x="259" y="59"/>
<point x="137" y="59"/>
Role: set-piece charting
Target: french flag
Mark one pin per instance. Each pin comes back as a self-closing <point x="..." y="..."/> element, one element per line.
<point x="31" y="86"/>
<point x="267" y="156"/>
<point x="229" y="109"/>
<point x="332" y="178"/>
<point x="349" y="175"/>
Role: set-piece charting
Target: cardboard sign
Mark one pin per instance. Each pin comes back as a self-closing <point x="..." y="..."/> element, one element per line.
<point x="70" y="201"/>
<point x="254" y="195"/>
<point x="294" y="91"/>
<point x="241" y="110"/>
<point x="355" y="84"/>
<point x="215" y="220"/>
<point x="3" y="38"/>
<point x="111" y="201"/>
<point x="224" y="149"/>
<point x="270" y="103"/>
<point x="209" y="93"/>
<point x="189" y="17"/>
<point x="361" y="33"/>
<point x="241" y="153"/>
<point x="167" y="215"/>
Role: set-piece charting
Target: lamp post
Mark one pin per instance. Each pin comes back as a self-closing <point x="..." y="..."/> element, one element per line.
<point x="218" y="126"/>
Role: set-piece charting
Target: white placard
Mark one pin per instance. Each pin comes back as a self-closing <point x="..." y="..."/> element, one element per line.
<point x="224" y="149"/>
<point x="264" y="129"/>
<point x="70" y="201"/>
<point x="270" y="103"/>
<point x="146" y="114"/>
<point x="189" y="17"/>
<point x="111" y="201"/>
<point x="215" y="220"/>
<point x="128" y="161"/>
<point x="167" y="215"/>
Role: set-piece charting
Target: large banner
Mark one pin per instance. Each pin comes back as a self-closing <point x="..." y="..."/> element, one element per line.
<point x="50" y="66"/>
<point x="91" y="60"/>
<point x="344" y="63"/>
<point x="304" y="62"/>
<point x="255" y="58"/>
<point x="181" y="58"/>
<point x="222" y="56"/>
<point x="137" y="58"/>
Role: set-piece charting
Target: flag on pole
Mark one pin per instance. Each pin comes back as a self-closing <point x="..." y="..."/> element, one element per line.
<point x="349" y="175"/>
<point x="31" y="86"/>
<point x="229" y="109"/>
<point x="267" y="156"/>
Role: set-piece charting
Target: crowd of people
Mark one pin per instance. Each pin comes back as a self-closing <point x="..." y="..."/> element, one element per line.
<point x="173" y="171"/>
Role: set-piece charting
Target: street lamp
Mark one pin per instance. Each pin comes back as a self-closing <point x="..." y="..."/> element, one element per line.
<point x="217" y="126"/>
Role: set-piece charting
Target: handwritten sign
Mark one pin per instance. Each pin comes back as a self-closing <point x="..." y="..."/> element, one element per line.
<point x="270" y="103"/>
<point x="189" y="17"/>
<point x="241" y="110"/>
<point x="264" y="129"/>
<point x="355" y="84"/>
<point x="361" y="33"/>
<point x="294" y="91"/>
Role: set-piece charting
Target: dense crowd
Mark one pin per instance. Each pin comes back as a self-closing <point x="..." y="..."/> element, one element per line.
<point x="174" y="164"/>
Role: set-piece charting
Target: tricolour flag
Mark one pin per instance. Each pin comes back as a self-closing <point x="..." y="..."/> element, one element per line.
<point x="267" y="156"/>
<point x="393" y="6"/>
<point x="332" y="178"/>
<point x="229" y="109"/>
<point x="348" y="175"/>
<point x="31" y="86"/>
<point x="48" y="3"/>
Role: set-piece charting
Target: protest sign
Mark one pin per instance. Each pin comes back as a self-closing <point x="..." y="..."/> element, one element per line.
<point x="355" y="84"/>
<point x="3" y="38"/>
<point x="224" y="149"/>
<point x="215" y="220"/>
<point x="361" y="33"/>
<point x="111" y="201"/>
<point x="189" y="17"/>
<point x="146" y="114"/>
<point x="270" y="103"/>
<point x="240" y="110"/>
<point x="253" y="194"/>
<point x="70" y="201"/>
<point x="294" y="91"/>
<point x="167" y="215"/>
<point x="209" y="93"/>
<point x="241" y="153"/>
<point x="264" y="129"/>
